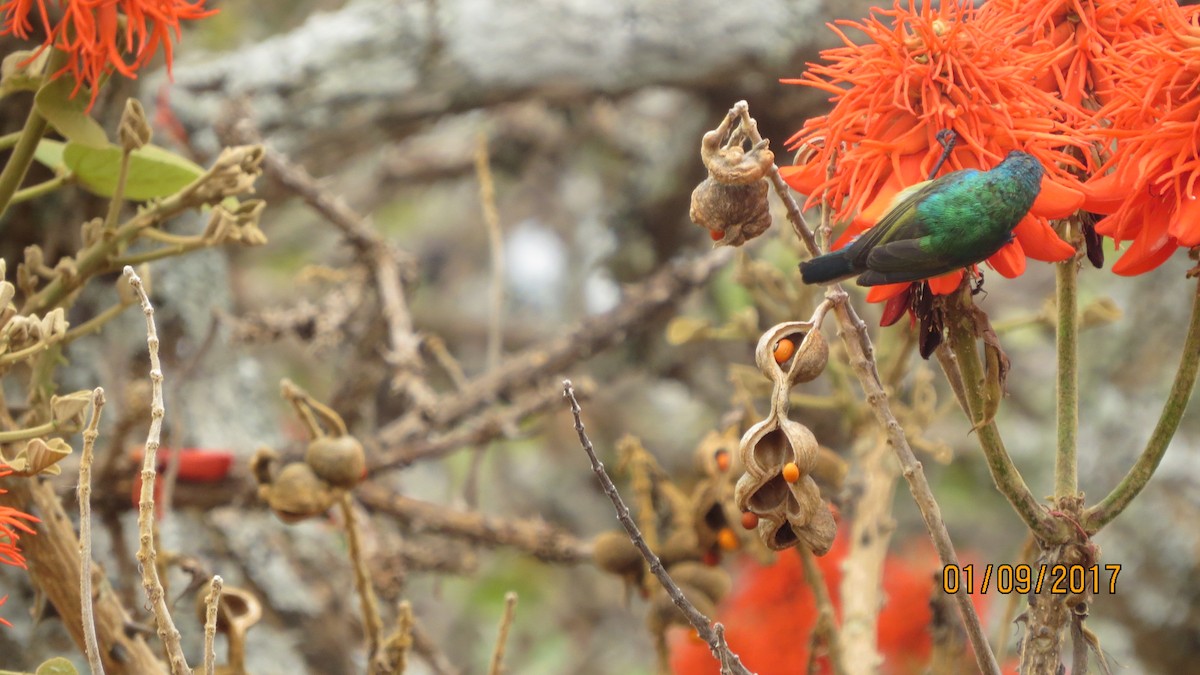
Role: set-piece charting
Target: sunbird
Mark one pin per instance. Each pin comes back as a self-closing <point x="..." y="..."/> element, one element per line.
<point x="937" y="226"/>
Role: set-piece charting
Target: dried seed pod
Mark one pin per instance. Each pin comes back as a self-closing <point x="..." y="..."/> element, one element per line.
<point x="716" y="453"/>
<point x="664" y="613"/>
<point x="805" y="362"/>
<point x="713" y="582"/>
<point x="338" y="460"/>
<point x="679" y="546"/>
<point x="773" y="442"/>
<point x="297" y="493"/>
<point x="732" y="201"/>
<point x="614" y="553"/>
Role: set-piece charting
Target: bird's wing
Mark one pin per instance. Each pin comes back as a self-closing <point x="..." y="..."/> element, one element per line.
<point x="901" y="261"/>
<point x="897" y="223"/>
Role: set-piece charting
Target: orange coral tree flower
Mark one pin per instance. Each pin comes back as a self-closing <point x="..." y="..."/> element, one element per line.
<point x="90" y="32"/>
<point x="1150" y="196"/>
<point x="12" y="520"/>
<point x="934" y="69"/>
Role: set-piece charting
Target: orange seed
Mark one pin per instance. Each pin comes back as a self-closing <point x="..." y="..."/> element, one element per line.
<point x="784" y="350"/>
<point x="749" y="520"/>
<point x="723" y="459"/>
<point x="728" y="540"/>
<point x="791" y="472"/>
<point x="716" y="235"/>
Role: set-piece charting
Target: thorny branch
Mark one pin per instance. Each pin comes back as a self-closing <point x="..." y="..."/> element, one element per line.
<point x="730" y="663"/>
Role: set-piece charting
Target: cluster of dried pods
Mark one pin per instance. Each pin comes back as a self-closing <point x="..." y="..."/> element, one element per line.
<point x="777" y="494"/>
<point x="333" y="462"/>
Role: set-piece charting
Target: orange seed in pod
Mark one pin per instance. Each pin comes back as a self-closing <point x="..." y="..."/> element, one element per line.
<point x="711" y="558"/>
<point x="727" y="539"/>
<point x="749" y="520"/>
<point x="723" y="459"/>
<point x="784" y="350"/>
<point x="791" y="472"/>
<point x="716" y="235"/>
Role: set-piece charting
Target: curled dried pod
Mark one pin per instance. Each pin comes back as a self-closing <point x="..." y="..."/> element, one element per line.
<point x="614" y="553"/>
<point x="713" y="582"/>
<point x="664" y="613"/>
<point x="338" y="460"/>
<point x="802" y="361"/>
<point x="679" y="546"/>
<point x="39" y="456"/>
<point x="732" y="202"/>
<point x="297" y="493"/>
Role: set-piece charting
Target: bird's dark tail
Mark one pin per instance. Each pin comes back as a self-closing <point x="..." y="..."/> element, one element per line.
<point x="826" y="269"/>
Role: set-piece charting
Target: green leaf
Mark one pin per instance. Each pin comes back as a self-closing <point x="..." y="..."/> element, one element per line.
<point x="57" y="666"/>
<point x="50" y="154"/>
<point x="67" y="114"/>
<point x="153" y="171"/>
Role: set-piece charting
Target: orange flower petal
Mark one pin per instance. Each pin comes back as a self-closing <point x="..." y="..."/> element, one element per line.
<point x="1056" y="200"/>
<point x="802" y="179"/>
<point x="1040" y="242"/>
<point x="947" y="283"/>
<point x="1185" y="223"/>
<point x="1009" y="261"/>
<point x="857" y="227"/>
<point x="1106" y="193"/>
<point x="1151" y="247"/>
<point x="885" y="291"/>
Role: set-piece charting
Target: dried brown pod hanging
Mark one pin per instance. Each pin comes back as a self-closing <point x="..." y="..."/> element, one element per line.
<point x="296" y="493"/>
<point x="792" y="352"/>
<point x="732" y="202"/>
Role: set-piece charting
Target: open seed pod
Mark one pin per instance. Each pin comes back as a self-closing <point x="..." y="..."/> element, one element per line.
<point x="788" y="511"/>
<point x="716" y="453"/>
<point x="39" y="456"/>
<point x="614" y="553"/>
<point x="802" y="363"/>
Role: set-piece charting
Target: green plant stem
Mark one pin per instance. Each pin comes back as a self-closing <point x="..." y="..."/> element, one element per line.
<point x="41" y="189"/>
<point x="136" y="259"/>
<point x="22" y="153"/>
<point x="1066" y="477"/>
<point x="25" y="434"/>
<point x="1140" y="473"/>
<point x="1004" y="473"/>
<point x="114" y="204"/>
<point x="22" y="354"/>
<point x="9" y="140"/>
<point x="94" y="324"/>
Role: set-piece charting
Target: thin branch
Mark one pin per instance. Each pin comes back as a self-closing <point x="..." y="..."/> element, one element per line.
<point x="147" y="557"/>
<point x="538" y="539"/>
<point x="1140" y="473"/>
<point x="1066" y="470"/>
<point x="211" y="603"/>
<point x="704" y="628"/>
<point x="861" y="354"/>
<point x="372" y="624"/>
<point x="90" y="433"/>
<point x="510" y="608"/>
<point x="827" y="624"/>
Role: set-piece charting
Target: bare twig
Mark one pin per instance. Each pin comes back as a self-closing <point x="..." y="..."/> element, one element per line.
<point x="429" y="652"/>
<point x="211" y="603"/>
<point x="861" y="353"/>
<point x="90" y="433"/>
<point x="147" y="556"/>
<point x="362" y="580"/>
<point x="510" y="608"/>
<point x="730" y="662"/>
<point x="536" y="538"/>
<point x="827" y="625"/>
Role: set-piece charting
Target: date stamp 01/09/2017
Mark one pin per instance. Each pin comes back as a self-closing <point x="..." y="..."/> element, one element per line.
<point x="1057" y="579"/>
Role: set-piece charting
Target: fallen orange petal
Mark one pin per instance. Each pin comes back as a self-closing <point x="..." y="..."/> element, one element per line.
<point x="1009" y="261"/>
<point x="1056" y="200"/>
<point x="1040" y="241"/>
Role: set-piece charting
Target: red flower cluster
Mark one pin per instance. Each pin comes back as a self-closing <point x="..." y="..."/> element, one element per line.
<point x="94" y="39"/>
<point x="1060" y="79"/>
<point x="770" y="615"/>
<point x="12" y="520"/>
